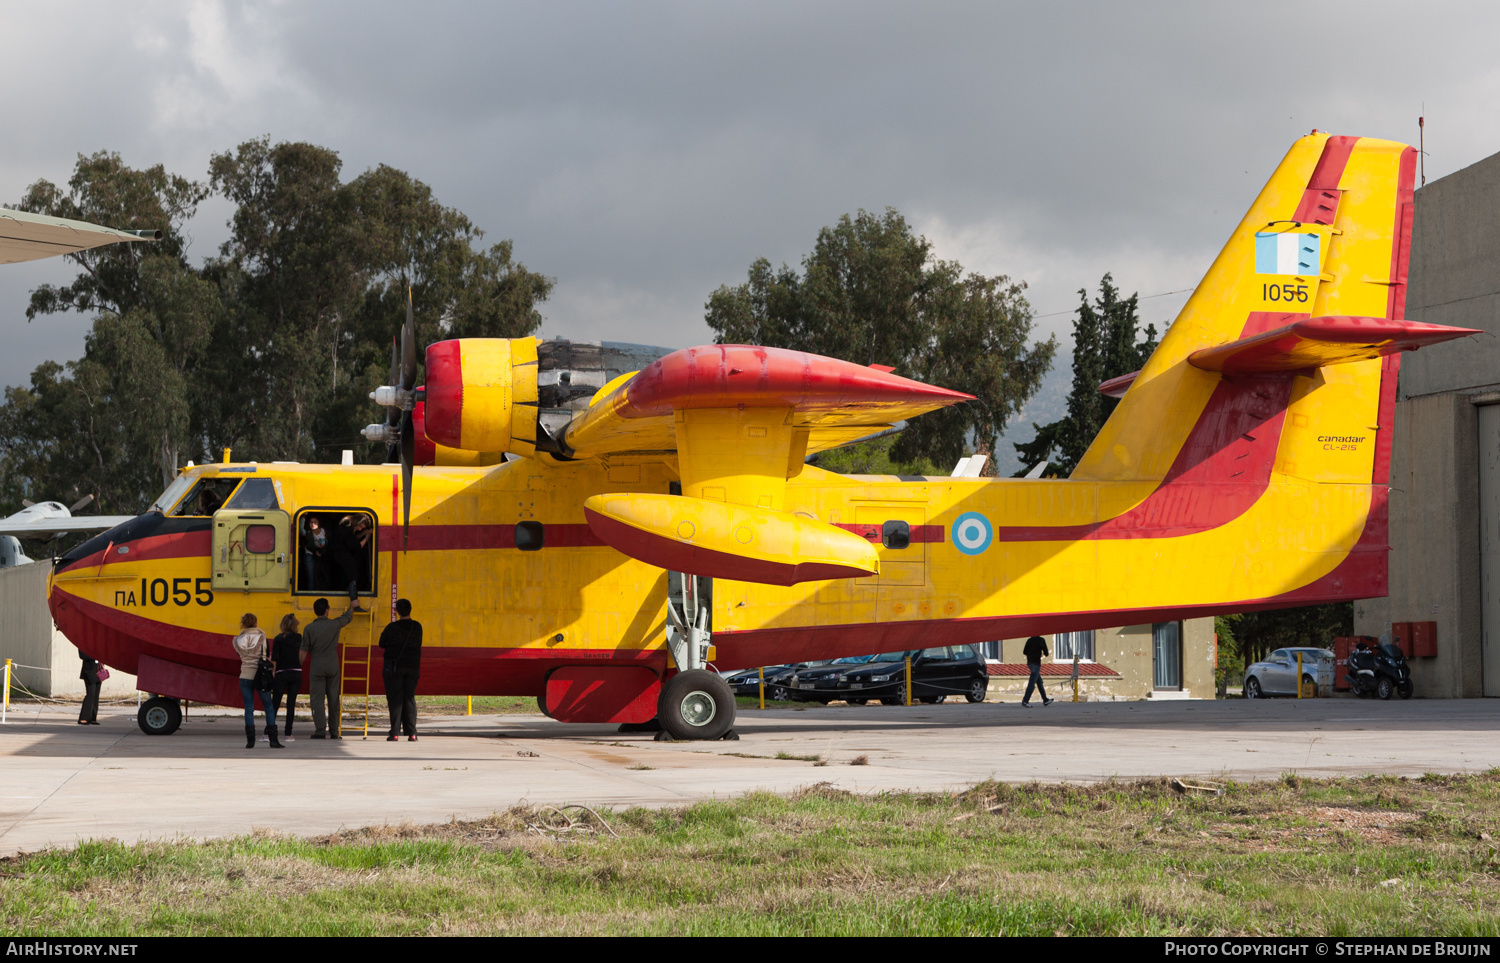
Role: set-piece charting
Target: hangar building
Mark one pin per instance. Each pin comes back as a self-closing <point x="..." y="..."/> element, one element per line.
<point x="1445" y="459"/>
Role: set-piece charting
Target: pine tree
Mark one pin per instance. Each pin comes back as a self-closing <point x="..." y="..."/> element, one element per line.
<point x="1104" y="347"/>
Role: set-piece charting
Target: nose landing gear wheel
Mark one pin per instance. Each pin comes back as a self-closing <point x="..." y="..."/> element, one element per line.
<point x="696" y="705"/>
<point x="159" y="716"/>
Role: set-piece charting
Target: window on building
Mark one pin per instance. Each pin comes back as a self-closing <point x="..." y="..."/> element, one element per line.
<point x="1065" y="645"/>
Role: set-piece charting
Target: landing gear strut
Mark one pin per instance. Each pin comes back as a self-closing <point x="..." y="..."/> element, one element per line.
<point x="694" y="703"/>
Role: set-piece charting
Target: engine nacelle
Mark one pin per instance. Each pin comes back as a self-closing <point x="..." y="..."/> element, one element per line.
<point x="481" y="395"/>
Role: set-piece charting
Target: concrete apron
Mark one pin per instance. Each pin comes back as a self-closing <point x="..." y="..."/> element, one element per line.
<point x="61" y="783"/>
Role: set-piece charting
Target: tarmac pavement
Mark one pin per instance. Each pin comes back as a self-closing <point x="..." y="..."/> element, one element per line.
<point x="61" y="783"/>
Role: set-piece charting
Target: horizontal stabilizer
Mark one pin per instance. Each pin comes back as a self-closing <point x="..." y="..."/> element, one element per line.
<point x="721" y="540"/>
<point x="1318" y="342"/>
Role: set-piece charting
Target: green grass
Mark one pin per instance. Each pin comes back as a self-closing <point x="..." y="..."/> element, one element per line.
<point x="459" y="705"/>
<point x="1410" y="857"/>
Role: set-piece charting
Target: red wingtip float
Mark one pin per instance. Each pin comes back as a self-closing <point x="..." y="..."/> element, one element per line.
<point x="584" y="538"/>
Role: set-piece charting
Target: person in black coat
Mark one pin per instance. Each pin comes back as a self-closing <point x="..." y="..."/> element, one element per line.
<point x="88" y="715"/>
<point x="402" y="644"/>
<point x="1036" y="648"/>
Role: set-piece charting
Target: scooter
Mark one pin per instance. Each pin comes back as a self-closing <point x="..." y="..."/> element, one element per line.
<point x="1380" y="671"/>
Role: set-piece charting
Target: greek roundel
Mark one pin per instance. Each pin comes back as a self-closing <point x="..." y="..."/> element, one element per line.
<point x="972" y="533"/>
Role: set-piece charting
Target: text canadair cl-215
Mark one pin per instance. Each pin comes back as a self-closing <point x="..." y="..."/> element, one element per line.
<point x="589" y="557"/>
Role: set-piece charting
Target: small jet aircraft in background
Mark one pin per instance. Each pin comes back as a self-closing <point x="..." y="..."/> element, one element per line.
<point x="599" y="538"/>
<point x="48" y="520"/>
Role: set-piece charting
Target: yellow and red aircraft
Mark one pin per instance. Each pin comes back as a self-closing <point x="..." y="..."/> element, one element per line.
<point x="590" y="557"/>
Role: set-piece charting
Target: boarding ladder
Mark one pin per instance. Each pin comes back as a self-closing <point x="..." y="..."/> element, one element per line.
<point x="354" y="674"/>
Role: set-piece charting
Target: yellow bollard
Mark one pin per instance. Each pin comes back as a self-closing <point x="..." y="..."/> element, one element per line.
<point x="5" y="706"/>
<point x="471" y="707"/>
<point x="1299" y="675"/>
<point x="1075" y="677"/>
<point x="908" y="680"/>
<point x="762" y="687"/>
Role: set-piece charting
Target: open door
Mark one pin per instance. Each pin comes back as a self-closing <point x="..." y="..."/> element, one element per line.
<point x="252" y="549"/>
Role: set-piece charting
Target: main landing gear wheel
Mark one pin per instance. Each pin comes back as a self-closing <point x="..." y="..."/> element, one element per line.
<point x="696" y="705"/>
<point x="159" y="716"/>
<point x="978" y="689"/>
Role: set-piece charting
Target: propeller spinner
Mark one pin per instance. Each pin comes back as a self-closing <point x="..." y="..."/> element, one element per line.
<point x="400" y="397"/>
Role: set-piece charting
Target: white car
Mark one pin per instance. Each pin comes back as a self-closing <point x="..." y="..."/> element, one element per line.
<point x="1277" y="673"/>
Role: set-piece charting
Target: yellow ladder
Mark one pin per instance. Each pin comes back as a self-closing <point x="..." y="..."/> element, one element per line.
<point x="355" y="671"/>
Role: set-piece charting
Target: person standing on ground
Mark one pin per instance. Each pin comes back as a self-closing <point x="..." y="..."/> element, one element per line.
<point x="320" y="642"/>
<point x="252" y="647"/>
<point x="1036" y="648"/>
<point x="88" y="713"/>
<point x="402" y="643"/>
<point x="286" y="652"/>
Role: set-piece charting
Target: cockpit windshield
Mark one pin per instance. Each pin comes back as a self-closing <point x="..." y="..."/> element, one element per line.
<point x="206" y="496"/>
<point x="169" y="498"/>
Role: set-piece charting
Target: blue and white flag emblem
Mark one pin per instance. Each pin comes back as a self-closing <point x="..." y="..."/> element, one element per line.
<point x="1286" y="253"/>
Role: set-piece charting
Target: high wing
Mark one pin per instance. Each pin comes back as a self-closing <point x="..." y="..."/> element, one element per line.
<point x="20" y="526"/>
<point x="29" y="237"/>
<point x="828" y="402"/>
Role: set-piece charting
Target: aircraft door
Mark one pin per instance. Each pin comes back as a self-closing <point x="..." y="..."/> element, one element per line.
<point x="252" y="550"/>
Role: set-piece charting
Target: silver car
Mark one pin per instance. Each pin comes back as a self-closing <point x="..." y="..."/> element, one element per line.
<point x="1277" y="673"/>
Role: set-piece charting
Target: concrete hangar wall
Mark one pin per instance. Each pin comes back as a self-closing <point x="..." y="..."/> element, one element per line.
<point x="1445" y="458"/>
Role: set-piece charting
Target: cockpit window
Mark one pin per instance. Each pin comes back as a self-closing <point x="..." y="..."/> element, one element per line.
<point x="207" y="497"/>
<point x="168" y="499"/>
<point x="256" y="494"/>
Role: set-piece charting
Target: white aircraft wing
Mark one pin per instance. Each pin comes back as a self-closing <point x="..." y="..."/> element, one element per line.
<point x="48" y="527"/>
<point x="27" y="237"/>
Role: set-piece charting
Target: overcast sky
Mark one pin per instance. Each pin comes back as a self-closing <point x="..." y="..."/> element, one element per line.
<point x="643" y="154"/>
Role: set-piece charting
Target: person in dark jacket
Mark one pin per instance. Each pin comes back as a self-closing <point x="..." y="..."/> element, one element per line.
<point x="286" y="652"/>
<point x="350" y="550"/>
<point x="1036" y="648"/>
<point x="401" y="642"/>
<point x="88" y="715"/>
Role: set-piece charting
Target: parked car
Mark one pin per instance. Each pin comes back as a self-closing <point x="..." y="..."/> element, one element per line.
<point x="937" y="673"/>
<point x="1277" y="673"/>
<point x="747" y="682"/>
<point x="820" y="683"/>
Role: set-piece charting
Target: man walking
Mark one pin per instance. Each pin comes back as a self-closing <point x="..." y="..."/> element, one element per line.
<point x="1036" y="647"/>
<point x="320" y="641"/>
<point x="402" y="644"/>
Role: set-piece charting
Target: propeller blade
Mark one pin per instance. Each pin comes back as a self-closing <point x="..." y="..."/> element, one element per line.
<point x="409" y="348"/>
<point x="393" y="414"/>
<point x="73" y="509"/>
<point x="408" y="457"/>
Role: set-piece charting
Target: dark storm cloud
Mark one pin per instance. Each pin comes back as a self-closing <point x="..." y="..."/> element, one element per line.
<point x="644" y="154"/>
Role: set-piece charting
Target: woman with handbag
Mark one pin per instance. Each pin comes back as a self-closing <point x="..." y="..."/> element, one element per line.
<point x="93" y="675"/>
<point x="257" y="677"/>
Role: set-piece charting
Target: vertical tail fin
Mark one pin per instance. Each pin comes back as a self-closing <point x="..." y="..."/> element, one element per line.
<point x="1328" y="235"/>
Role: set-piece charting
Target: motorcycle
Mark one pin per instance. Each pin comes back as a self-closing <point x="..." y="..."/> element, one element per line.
<point x="1381" y="671"/>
